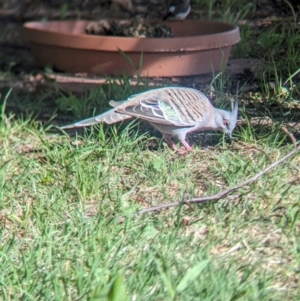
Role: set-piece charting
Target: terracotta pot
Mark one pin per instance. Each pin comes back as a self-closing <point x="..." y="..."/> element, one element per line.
<point x="198" y="47"/>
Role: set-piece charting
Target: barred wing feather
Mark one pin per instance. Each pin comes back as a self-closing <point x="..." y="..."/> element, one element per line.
<point x="170" y="106"/>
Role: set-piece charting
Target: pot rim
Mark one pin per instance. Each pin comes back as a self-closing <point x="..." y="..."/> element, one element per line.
<point x="41" y="33"/>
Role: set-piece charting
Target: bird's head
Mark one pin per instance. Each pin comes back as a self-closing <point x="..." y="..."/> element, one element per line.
<point x="230" y="117"/>
<point x="226" y="120"/>
<point x="178" y="10"/>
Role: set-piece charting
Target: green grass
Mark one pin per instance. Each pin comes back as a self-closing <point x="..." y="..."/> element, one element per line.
<point x="69" y="226"/>
<point x="70" y="230"/>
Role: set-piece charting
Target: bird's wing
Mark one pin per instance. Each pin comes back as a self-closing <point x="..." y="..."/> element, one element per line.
<point x="170" y="106"/>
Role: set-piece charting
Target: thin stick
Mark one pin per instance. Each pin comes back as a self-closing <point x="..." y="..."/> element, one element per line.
<point x="223" y="193"/>
<point x="290" y="135"/>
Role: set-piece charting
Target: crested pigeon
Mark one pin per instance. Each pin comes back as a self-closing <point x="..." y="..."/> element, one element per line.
<point x="174" y="111"/>
<point x="178" y="10"/>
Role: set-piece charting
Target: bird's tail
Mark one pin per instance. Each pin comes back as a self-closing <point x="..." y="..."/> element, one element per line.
<point x="108" y="117"/>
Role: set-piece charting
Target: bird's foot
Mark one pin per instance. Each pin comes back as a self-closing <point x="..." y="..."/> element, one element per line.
<point x="187" y="146"/>
<point x="180" y="151"/>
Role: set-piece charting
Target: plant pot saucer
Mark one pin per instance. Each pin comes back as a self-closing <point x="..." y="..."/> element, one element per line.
<point x="198" y="47"/>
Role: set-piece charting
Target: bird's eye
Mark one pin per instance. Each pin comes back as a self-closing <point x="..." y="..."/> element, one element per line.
<point x="226" y="122"/>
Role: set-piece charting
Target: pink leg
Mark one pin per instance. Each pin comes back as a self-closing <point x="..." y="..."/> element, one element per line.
<point x="172" y="145"/>
<point x="170" y="142"/>
<point x="187" y="146"/>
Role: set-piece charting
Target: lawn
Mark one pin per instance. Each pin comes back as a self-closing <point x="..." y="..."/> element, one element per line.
<point x="70" y="202"/>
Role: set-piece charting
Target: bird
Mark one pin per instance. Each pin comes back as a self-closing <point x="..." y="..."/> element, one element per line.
<point x="173" y="111"/>
<point x="178" y="10"/>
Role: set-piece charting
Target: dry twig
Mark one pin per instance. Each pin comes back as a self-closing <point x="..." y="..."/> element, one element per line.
<point x="225" y="192"/>
<point x="290" y="135"/>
